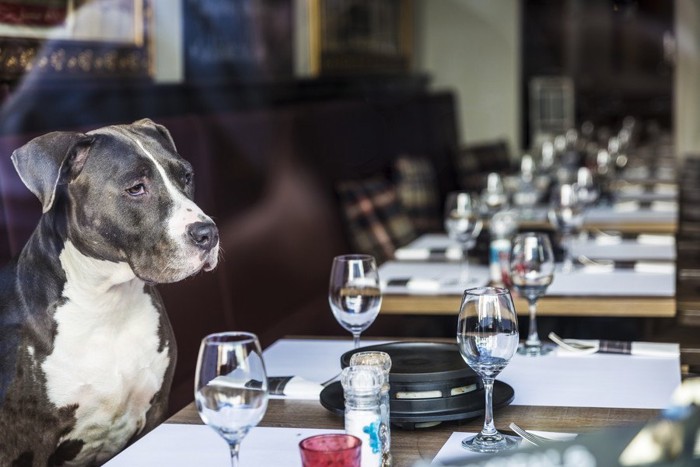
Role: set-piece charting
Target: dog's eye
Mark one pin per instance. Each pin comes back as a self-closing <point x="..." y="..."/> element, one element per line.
<point x="137" y="190"/>
<point x="187" y="178"/>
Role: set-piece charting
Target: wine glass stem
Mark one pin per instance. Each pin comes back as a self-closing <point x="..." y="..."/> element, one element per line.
<point x="464" y="266"/>
<point x="356" y="340"/>
<point x="489" y="427"/>
<point x="568" y="263"/>
<point x="234" y="448"/>
<point x="533" y="339"/>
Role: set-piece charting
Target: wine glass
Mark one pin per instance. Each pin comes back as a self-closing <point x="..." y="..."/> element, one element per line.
<point x="566" y="216"/>
<point x="463" y="224"/>
<point x="487" y="336"/>
<point x="231" y="386"/>
<point x="531" y="272"/>
<point x="354" y="293"/>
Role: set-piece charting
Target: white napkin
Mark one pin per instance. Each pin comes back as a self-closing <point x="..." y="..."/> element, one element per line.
<point x="607" y="239"/>
<point x="599" y="268"/>
<point x="654" y="267"/>
<point x="419" y="254"/>
<point x="408" y="254"/>
<point x="631" y="189"/>
<point x="423" y="284"/>
<point x="666" y="188"/>
<point x="664" y="206"/>
<point x="295" y="388"/>
<point x="626" y="206"/>
<point x="644" y="349"/>
<point x="649" y="239"/>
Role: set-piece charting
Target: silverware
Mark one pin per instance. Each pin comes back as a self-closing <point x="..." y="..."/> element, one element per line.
<point x="573" y="345"/>
<point x="531" y="438"/>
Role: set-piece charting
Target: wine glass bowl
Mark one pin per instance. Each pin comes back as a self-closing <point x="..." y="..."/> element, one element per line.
<point x="463" y="225"/>
<point x="566" y="216"/>
<point x="487" y="337"/>
<point x="231" y="386"/>
<point x="354" y="293"/>
<point x="531" y="273"/>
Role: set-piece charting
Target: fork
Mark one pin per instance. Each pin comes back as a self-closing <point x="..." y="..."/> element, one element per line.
<point x="532" y="438"/>
<point x="573" y="345"/>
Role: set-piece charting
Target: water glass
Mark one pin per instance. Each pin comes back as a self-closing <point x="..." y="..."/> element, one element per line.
<point x="463" y="224"/>
<point x="531" y="272"/>
<point x="354" y="294"/>
<point x="487" y="336"/>
<point x="231" y="386"/>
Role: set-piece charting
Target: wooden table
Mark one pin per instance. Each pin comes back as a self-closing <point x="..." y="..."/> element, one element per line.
<point x="627" y="307"/>
<point x="408" y="446"/>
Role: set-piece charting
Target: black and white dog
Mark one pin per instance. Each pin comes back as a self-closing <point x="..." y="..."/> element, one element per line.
<point x="86" y="349"/>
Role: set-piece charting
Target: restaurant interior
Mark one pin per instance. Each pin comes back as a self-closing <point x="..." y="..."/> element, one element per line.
<point x="319" y="128"/>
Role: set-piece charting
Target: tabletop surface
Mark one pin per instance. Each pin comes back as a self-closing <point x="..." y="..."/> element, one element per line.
<point x="423" y="279"/>
<point x="552" y="394"/>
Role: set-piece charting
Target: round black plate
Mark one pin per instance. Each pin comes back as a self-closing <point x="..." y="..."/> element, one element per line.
<point x="416" y="362"/>
<point x="470" y="405"/>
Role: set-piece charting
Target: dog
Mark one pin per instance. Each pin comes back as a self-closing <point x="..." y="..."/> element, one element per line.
<point x="87" y="352"/>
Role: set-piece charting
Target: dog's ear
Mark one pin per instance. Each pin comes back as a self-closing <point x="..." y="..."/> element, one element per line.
<point x="150" y="124"/>
<point x="47" y="160"/>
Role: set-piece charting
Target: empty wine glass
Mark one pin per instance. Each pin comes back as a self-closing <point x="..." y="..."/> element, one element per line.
<point x="531" y="272"/>
<point x="354" y="293"/>
<point x="231" y="386"/>
<point x="494" y="196"/>
<point x="566" y="216"/>
<point x="487" y="336"/>
<point x="463" y="224"/>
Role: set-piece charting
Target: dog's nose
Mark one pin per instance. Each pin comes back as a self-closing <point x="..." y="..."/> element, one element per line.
<point x="204" y="234"/>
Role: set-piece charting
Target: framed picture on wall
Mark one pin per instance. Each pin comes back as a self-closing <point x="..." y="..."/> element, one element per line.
<point x="239" y="40"/>
<point x="72" y="38"/>
<point x="359" y="36"/>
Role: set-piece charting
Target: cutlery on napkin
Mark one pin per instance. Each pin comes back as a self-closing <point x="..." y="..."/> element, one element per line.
<point x="650" y="239"/>
<point x="293" y="387"/>
<point x="655" y="267"/>
<point x="414" y="254"/>
<point x="589" y="346"/>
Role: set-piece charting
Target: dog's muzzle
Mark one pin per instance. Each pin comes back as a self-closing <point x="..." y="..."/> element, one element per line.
<point x="203" y="235"/>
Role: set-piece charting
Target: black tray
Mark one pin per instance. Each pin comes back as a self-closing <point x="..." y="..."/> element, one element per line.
<point x="418" y="411"/>
<point x="419" y="362"/>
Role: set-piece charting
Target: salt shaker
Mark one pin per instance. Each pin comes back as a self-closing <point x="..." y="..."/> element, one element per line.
<point x="381" y="360"/>
<point x="503" y="225"/>
<point x="363" y="418"/>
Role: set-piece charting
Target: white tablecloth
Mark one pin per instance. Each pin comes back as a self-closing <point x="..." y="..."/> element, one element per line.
<point x="585" y="381"/>
<point x="597" y="380"/>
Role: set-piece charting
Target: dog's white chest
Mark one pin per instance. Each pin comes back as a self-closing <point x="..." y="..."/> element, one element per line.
<point x="106" y="357"/>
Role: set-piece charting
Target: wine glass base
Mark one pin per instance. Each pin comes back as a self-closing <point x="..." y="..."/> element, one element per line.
<point x="535" y="350"/>
<point x="490" y="443"/>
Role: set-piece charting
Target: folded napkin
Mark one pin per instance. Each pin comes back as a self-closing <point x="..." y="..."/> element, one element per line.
<point x="655" y="267"/>
<point x="648" y="239"/>
<point x="407" y="254"/>
<point x="666" y="188"/>
<point x="631" y="189"/>
<point x="418" y="254"/>
<point x="645" y="349"/>
<point x="626" y="206"/>
<point x="664" y="206"/>
<point x="293" y="387"/>
<point x="608" y="239"/>
<point x="599" y="268"/>
<point x="422" y="284"/>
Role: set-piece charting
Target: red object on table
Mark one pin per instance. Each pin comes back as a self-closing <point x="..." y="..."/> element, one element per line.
<point x="336" y="450"/>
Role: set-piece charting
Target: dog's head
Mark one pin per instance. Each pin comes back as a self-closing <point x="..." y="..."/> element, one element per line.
<point x="126" y="195"/>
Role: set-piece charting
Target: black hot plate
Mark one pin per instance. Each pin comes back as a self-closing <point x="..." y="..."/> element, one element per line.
<point x="420" y="366"/>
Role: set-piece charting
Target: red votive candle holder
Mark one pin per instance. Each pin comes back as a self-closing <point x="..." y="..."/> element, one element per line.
<point x="332" y="450"/>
